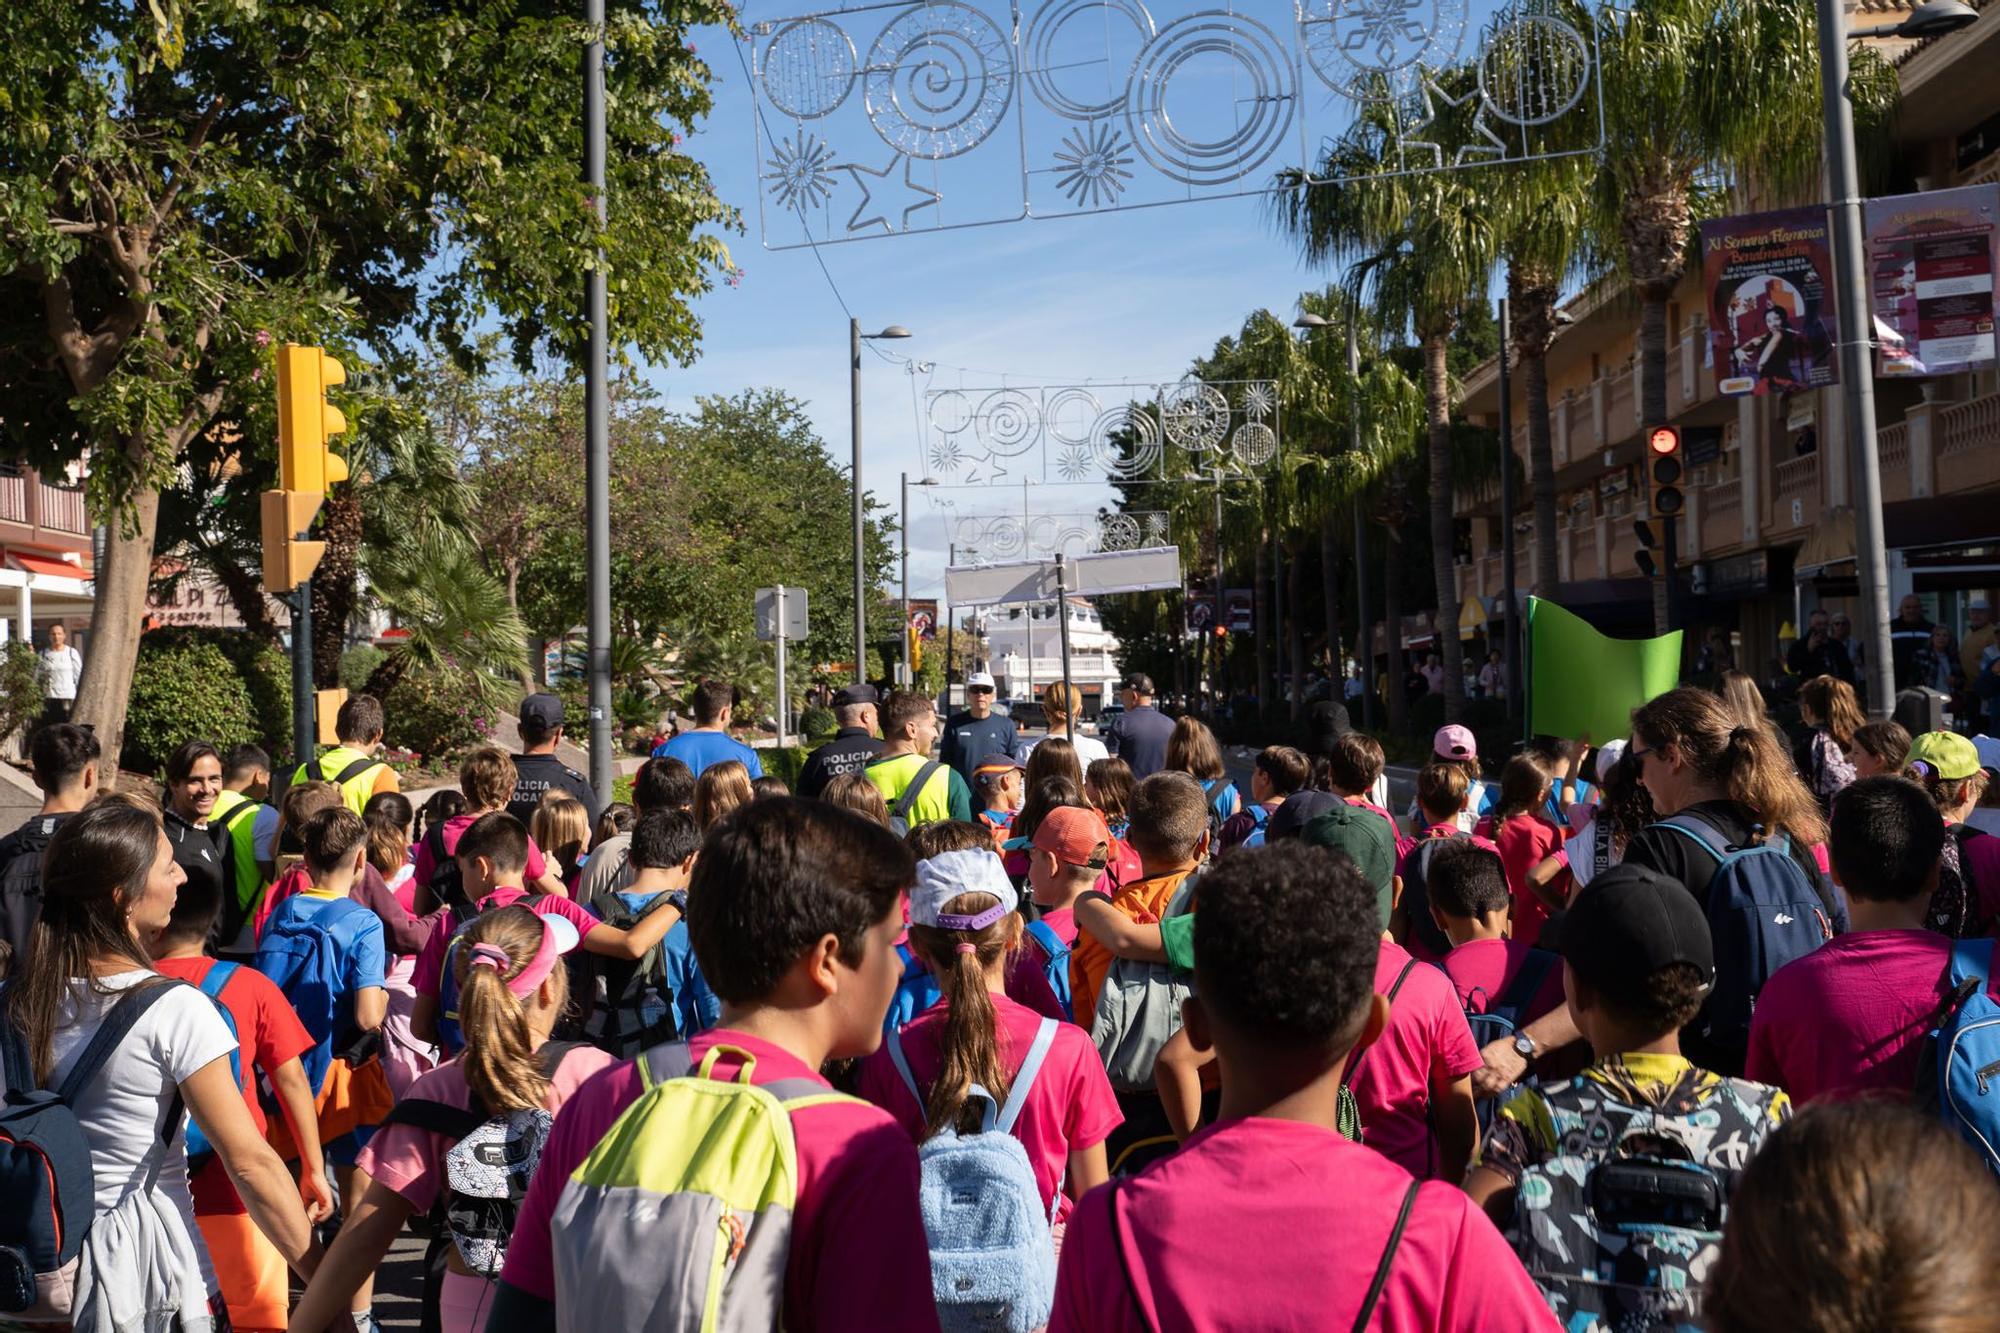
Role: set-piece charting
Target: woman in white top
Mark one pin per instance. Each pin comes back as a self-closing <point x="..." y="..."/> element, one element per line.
<point x="109" y="881"/>
<point x="1062" y="703"/>
<point x="1623" y="807"/>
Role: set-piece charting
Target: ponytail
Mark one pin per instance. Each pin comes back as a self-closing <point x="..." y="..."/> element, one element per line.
<point x="499" y="1062"/>
<point x="1735" y="755"/>
<point x="1522" y="785"/>
<point x="969" y="1048"/>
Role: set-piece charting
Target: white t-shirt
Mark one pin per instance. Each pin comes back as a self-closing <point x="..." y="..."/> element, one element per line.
<point x="1581" y="848"/>
<point x="60" y="669"/>
<point x="1089" y="749"/>
<point x="123" y="1109"/>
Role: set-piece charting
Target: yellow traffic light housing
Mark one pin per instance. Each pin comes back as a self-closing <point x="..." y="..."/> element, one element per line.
<point x="307" y="421"/>
<point x="326" y="712"/>
<point x="289" y="561"/>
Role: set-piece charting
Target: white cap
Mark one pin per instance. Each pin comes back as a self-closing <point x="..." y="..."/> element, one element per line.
<point x="1978" y="604"/>
<point x="943" y="878"/>
<point x="979" y="680"/>
<point x="1609" y="754"/>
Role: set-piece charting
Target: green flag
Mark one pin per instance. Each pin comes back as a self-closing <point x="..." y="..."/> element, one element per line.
<point x="1583" y="683"/>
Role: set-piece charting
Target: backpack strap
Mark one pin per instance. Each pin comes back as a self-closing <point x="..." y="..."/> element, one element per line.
<point x="1017" y="1096"/>
<point x="1971" y="960"/>
<point x="453" y="1122"/>
<point x="217" y="978"/>
<point x="668" y="1060"/>
<point x="1044" y="935"/>
<point x="1692" y="828"/>
<point x="902" y="1063"/>
<point x="235" y="817"/>
<point x="1354" y="1063"/>
<point x="1527" y="983"/>
<point x="314" y="772"/>
<point x="1388" y="1258"/>
<point x="914" y="790"/>
<point x="127" y="1011"/>
<point x="15" y="1063"/>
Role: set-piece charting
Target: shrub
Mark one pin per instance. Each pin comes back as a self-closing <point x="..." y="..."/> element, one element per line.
<point x="784" y="761"/>
<point x="818" y="723"/>
<point x="184" y="688"/>
<point x="438" y="715"/>
<point x="20" y="693"/>
<point x="357" y="664"/>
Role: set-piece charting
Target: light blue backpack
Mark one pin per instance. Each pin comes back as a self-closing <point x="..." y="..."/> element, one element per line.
<point x="993" y="1258"/>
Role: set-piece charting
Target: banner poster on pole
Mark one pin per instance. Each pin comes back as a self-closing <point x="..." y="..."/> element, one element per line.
<point x="924" y="618"/>
<point x="1240" y="604"/>
<point x="1769" y="282"/>
<point x="1931" y="262"/>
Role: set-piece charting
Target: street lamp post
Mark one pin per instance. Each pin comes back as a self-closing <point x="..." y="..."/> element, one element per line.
<point x="1365" y="640"/>
<point x="855" y="338"/>
<point x="597" y="424"/>
<point x="1857" y="374"/>
<point x="1510" y="631"/>
<point x="909" y="679"/>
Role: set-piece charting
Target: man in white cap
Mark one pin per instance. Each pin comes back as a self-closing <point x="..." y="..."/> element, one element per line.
<point x="977" y="732"/>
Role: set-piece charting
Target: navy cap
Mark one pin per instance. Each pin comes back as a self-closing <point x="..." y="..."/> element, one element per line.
<point x="542" y="710"/>
<point x="853" y="696"/>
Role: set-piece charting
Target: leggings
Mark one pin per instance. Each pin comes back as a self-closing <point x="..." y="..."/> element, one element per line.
<point x="464" y="1302"/>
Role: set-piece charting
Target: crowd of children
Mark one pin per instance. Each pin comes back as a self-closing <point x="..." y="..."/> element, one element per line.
<point x="1108" y="1054"/>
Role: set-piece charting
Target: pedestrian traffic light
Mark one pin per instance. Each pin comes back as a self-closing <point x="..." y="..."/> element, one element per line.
<point x="1663" y="472"/>
<point x="1643" y="557"/>
<point x="306" y="421"/>
<point x="288" y="560"/>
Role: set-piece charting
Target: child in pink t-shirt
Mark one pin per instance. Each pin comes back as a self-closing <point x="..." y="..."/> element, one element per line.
<point x="1469" y="902"/>
<point x="512" y="987"/>
<point x="1525" y="836"/>
<point x="1044" y="1075"/>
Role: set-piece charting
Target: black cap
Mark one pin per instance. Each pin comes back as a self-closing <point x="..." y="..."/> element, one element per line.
<point x="1627" y="924"/>
<point x="1300" y="808"/>
<point x="853" y="696"/>
<point x="542" y="710"/>
<point x="1139" y="683"/>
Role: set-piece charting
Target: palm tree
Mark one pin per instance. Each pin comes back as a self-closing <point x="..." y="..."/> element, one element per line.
<point x="453" y="612"/>
<point x="1419" y="246"/>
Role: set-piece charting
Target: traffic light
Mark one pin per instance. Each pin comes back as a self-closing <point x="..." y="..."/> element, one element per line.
<point x="1643" y="557"/>
<point x="288" y="560"/>
<point x="1664" y="469"/>
<point x="306" y="421"/>
<point x="326" y="712"/>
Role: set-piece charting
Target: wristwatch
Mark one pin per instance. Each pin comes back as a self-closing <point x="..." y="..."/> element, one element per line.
<point x="1524" y="1045"/>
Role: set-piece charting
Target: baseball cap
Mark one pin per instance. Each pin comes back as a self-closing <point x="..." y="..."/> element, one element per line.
<point x="946" y="876"/>
<point x="1946" y="753"/>
<point x="1608" y="755"/>
<point x="1366" y="839"/>
<point x="1455" y="742"/>
<point x="1138" y="682"/>
<point x="852" y="696"/>
<point x="542" y="710"/>
<point x="1077" y="836"/>
<point x="1989" y="753"/>
<point x="998" y="763"/>
<point x="559" y="936"/>
<point x="1631" y="922"/>
<point x="1978" y="604"/>
<point x="1290" y="819"/>
<point x="979" y="680"/>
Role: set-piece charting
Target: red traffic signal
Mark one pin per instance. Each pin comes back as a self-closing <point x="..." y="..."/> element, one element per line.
<point x="1663" y="440"/>
<point x="1663" y="472"/>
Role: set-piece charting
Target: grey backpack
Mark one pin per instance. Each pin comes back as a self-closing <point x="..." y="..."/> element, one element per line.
<point x="1139" y="1010"/>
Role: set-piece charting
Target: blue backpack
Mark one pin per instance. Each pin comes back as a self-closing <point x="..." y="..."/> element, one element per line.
<point x="199" y="1149"/>
<point x="300" y="957"/>
<point x="1056" y="969"/>
<point x="1260" y="817"/>
<point x="1763" y="912"/>
<point x="916" y="992"/>
<point x="1506" y="1014"/>
<point x="45" y="1170"/>
<point x="1955" y="1072"/>
<point x="993" y="1259"/>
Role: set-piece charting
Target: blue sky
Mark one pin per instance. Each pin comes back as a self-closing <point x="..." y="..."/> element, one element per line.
<point x="1130" y="296"/>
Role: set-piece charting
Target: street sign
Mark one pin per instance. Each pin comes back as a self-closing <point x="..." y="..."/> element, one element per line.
<point x="794" y="601"/>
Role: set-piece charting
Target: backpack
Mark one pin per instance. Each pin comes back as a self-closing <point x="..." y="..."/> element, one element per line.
<point x="1763" y="912"/>
<point x="45" y="1168"/>
<point x="1216" y="790"/>
<point x="301" y="959"/>
<point x="354" y="769"/>
<point x="450" y="1039"/>
<point x="1509" y="1011"/>
<point x="993" y="1260"/>
<point x="699" y="1177"/>
<point x="899" y="814"/>
<point x="1139" y="1011"/>
<point x="916" y="992"/>
<point x="1954" y="905"/>
<point x="487" y="1168"/>
<point x="1622" y="1223"/>
<point x="622" y="991"/>
<point x="447" y="885"/>
<point x="1415" y="904"/>
<point x="1259" y="818"/>
<point x="236" y="909"/>
<point x="21" y="886"/>
<point x="1956" y="1067"/>
<point x="1056" y="967"/>
<point x="199" y="1149"/>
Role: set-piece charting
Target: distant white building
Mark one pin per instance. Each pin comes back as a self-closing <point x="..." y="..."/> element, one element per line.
<point x="1021" y="672"/>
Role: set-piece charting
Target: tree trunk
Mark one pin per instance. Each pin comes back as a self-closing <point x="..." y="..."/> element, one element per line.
<point x="333" y="583"/>
<point x="1294" y="638"/>
<point x="1260" y="624"/>
<point x="1392" y="626"/>
<point x="1534" y="299"/>
<point x="536" y="645"/>
<point x="117" y="619"/>
<point x="1437" y="406"/>
<point x="1653" y="405"/>
<point x="1329" y="547"/>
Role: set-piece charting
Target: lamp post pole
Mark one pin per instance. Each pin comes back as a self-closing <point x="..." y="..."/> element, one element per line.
<point x="596" y="423"/>
<point x="854" y="340"/>
<point x="1367" y="637"/>
<point x="1511" y="630"/>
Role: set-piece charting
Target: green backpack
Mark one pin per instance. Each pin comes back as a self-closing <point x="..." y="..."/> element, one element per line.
<point x="700" y="1175"/>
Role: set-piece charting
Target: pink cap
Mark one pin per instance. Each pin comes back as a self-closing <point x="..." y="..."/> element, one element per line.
<point x="1455" y="742"/>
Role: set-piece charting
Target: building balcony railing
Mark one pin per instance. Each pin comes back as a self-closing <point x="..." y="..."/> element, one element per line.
<point x="62" y="509"/>
<point x="13" y="498"/>
<point x="48" y="511"/>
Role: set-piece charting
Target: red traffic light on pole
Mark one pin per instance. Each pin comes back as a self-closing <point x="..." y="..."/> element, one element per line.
<point x="1664" y="471"/>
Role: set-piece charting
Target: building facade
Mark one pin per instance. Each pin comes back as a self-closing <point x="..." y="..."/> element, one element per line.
<point x="44" y="554"/>
<point x="1024" y="645"/>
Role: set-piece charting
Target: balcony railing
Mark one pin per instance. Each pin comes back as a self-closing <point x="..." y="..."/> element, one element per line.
<point x="1798" y="478"/>
<point x="1969" y="426"/>
<point x="62" y="510"/>
<point x="13" y="498"/>
<point x="1892" y="446"/>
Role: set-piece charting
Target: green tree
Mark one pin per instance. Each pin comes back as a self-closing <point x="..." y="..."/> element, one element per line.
<point x="188" y="180"/>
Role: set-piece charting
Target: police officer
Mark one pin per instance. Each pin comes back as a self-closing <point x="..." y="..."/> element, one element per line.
<point x="851" y="747"/>
<point x="537" y="769"/>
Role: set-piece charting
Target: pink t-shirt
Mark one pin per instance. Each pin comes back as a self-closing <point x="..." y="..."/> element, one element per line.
<point x="1427" y="1043"/>
<point x="1481" y="971"/>
<point x="430" y="963"/>
<point x="1070" y="1106"/>
<point x="450" y="832"/>
<point x="1272" y="1224"/>
<point x="1524" y="842"/>
<point x="410" y="1161"/>
<point x="1849" y="1017"/>
<point x="857" y="1257"/>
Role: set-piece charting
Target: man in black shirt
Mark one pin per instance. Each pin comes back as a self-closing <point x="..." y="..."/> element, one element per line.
<point x="851" y="747"/>
<point x="1140" y="734"/>
<point x="1909" y="637"/>
<point x="977" y="732"/>
<point x="64" y="757"/>
<point x="536" y="768"/>
<point x="1818" y="653"/>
